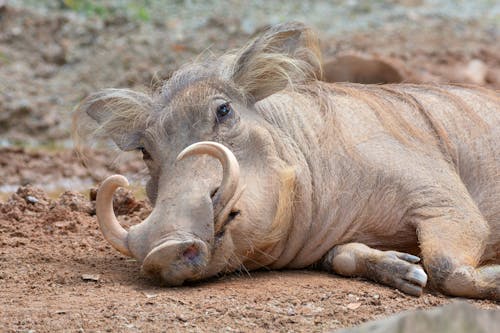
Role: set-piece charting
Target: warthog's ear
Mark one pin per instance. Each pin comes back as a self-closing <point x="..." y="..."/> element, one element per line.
<point x="284" y="55"/>
<point x="116" y="114"/>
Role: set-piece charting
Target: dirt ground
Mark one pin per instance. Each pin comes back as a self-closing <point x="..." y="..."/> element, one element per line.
<point x="56" y="271"/>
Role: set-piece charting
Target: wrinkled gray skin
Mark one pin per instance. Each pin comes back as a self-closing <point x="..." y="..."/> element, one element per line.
<point x="358" y="180"/>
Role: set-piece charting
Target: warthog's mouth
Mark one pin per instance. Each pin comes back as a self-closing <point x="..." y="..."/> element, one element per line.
<point x="230" y="218"/>
<point x="174" y="261"/>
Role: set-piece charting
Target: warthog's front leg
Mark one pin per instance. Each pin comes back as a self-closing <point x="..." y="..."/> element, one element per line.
<point x="395" y="269"/>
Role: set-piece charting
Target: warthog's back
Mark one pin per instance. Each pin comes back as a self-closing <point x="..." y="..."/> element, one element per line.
<point x="469" y="119"/>
<point x="467" y="123"/>
<point x="464" y="122"/>
<point x="402" y="132"/>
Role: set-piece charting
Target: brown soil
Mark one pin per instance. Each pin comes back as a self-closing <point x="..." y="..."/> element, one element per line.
<point x="57" y="273"/>
<point x="55" y="171"/>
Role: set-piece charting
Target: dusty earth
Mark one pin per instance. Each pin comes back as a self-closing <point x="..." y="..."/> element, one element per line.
<point x="56" y="271"/>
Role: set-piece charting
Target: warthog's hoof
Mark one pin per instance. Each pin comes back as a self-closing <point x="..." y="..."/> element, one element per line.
<point x="395" y="269"/>
<point x="399" y="270"/>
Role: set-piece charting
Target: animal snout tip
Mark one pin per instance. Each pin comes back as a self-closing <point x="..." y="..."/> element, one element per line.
<point x="174" y="262"/>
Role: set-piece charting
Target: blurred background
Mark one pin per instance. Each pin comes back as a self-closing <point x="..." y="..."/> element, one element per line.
<point x="55" y="52"/>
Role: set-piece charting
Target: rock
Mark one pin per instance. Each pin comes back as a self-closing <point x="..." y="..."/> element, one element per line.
<point x="476" y="71"/>
<point x="353" y="306"/>
<point x="460" y="317"/>
<point x="181" y="318"/>
<point x="90" y="277"/>
<point x="32" y="199"/>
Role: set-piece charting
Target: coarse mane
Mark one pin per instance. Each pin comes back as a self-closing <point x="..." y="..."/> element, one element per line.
<point x="383" y="101"/>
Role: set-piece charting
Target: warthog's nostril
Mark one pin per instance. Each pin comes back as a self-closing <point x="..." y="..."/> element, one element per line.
<point x="191" y="253"/>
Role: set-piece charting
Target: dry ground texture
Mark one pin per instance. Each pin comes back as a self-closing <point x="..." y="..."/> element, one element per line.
<point x="56" y="271"/>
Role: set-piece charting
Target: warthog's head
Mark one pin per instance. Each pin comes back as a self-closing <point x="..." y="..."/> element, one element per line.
<point x="220" y="178"/>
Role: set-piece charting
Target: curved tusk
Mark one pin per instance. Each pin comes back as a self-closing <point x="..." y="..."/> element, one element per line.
<point x="230" y="169"/>
<point x="110" y="227"/>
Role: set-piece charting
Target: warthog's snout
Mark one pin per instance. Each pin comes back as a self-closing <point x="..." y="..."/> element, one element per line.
<point x="175" y="261"/>
<point x="174" y="243"/>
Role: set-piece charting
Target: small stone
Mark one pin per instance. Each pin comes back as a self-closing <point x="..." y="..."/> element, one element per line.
<point x="476" y="71"/>
<point x="353" y="306"/>
<point x="32" y="199"/>
<point x="90" y="277"/>
<point x="181" y="318"/>
<point x="16" y="31"/>
<point x="325" y="296"/>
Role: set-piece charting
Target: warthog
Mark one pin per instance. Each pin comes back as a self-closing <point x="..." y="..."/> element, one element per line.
<point x="255" y="162"/>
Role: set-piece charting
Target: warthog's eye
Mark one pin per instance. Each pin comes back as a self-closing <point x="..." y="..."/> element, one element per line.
<point x="145" y="153"/>
<point x="223" y="111"/>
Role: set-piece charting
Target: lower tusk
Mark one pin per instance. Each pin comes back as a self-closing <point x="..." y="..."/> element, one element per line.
<point x="110" y="227"/>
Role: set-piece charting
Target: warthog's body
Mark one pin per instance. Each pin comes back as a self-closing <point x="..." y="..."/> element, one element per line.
<point x="339" y="175"/>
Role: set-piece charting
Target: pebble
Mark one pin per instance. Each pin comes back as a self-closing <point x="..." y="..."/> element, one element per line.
<point x="476" y="71"/>
<point x="32" y="199"/>
<point x="90" y="277"/>
<point x="353" y="306"/>
<point x="181" y="318"/>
